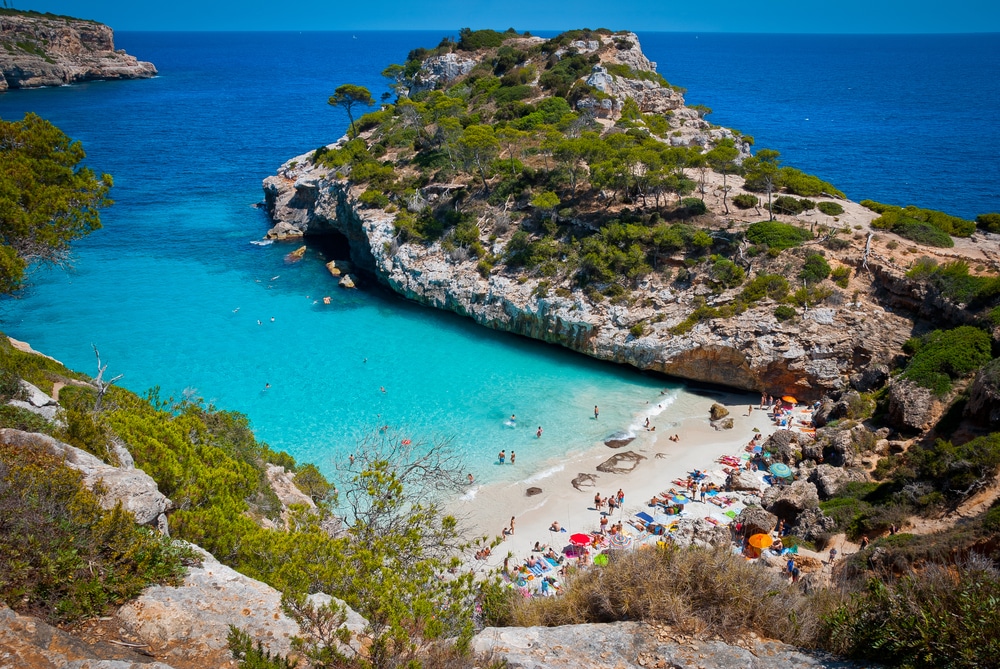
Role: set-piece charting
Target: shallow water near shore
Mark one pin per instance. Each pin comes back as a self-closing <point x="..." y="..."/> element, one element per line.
<point x="174" y="293"/>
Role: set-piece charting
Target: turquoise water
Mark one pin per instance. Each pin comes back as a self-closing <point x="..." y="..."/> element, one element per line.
<point x="171" y="289"/>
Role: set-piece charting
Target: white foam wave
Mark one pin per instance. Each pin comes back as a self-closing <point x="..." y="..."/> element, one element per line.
<point x="544" y="474"/>
<point x="469" y="495"/>
<point x="262" y="242"/>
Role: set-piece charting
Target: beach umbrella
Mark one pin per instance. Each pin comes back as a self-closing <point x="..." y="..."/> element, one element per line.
<point x="620" y="541"/>
<point x="761" y="541"/>
<point x="679" y="499"/>
<point x="789" y="399"/>
<point x="781" y="470"/>
<point x="580" y="539"/>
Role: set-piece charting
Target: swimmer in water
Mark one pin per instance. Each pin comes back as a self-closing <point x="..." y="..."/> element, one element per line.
<point x="266" y="386"/>
<point x="513" y="418"/>
<point x="539" y="433"/>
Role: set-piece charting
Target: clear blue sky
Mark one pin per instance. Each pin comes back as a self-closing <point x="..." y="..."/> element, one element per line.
<point x="760" y="16"/>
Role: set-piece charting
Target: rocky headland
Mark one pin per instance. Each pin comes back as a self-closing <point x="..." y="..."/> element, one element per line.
<point x="658" y="325"/>
<point x="48" y="50"/>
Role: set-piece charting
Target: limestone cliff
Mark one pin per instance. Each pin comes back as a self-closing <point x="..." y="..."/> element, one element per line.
<point x="47" y="50"/>
<point x="750" y="351"/>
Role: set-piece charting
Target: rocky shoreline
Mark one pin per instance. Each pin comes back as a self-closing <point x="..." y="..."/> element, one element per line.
<point x="751" y="351"/>
<point x="46" y="50"/>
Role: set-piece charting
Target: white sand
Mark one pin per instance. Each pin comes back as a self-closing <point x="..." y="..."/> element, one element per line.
<point x="487" y="510"/>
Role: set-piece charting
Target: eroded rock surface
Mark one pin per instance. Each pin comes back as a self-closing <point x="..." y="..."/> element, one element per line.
<point x="631" y="645"/>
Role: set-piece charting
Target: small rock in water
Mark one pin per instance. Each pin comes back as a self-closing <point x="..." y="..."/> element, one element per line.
<point x="532" y="491"/>
<point x="346" y="282"/>
<point x="296" y="255"/>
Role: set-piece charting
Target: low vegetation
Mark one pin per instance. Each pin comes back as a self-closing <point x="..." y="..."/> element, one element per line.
<point x="943" y="355"/>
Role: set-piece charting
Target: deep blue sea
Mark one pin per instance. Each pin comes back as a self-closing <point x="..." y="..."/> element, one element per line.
<point x="171" y="289"/>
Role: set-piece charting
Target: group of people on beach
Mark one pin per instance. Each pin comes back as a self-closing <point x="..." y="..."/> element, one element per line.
<point x="502" y="458"/>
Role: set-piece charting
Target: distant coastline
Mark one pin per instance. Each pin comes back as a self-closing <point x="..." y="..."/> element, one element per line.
<point x="48" y="50"/>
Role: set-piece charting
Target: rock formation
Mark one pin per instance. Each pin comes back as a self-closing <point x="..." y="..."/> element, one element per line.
<point x="631" y="645"/>
<point x="48" y="50"/>
<point x="134" y="488"/>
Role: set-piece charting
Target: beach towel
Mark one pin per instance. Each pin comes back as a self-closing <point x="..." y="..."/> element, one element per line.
<point x="730" y="513"/>
<point x="645" y="517"/>
<point x="536" y="570"/>
<point x="552" y="561"/>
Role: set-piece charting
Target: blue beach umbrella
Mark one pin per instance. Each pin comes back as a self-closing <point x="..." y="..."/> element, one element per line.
<point x="680" y="499"/>
<point x="781" y="470"/>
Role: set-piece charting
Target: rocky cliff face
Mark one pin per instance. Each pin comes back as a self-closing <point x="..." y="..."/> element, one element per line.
<point x="45" y="50"/>
<point x="750" y="351"/>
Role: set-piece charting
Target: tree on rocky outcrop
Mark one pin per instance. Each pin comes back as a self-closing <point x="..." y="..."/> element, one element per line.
<point x="722" y="158"/>
<point x="479" y="146"/>
<point x="349" y="95"/>
<point x="46" y="199"/>
<point x="762" y="174"/>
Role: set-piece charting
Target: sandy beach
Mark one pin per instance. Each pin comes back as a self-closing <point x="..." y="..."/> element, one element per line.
<point x="486" y="510"/>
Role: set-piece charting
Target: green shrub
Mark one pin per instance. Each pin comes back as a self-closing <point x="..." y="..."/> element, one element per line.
<point x="785" y="204"/>
<point x="798" y="183"/>
<point x="841" y="276"/>
<point x="726" y="273"/>
<point x="693" y="206"/>
<point x="374" y="198"/>
<point x="952" y="279"/>
<point x="893" y="217"/>
<point x="936" y="617"/>
<point x="472" y="40"/>
<point x="506" y="94"/>
<point x="815" y="268"/>
<point x="745" y="201"/>
<point x="62" y="556"/>
<point x="943" y="355"/>
<point x="777" y="235"/>
<point x="784" y="312"/>
<point x="772" y="286"/>
<point x="923" y="233"/>
<point x="988" y="222"/>
<point x="830" y="208"/>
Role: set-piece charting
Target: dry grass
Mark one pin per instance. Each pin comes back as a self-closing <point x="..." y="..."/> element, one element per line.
<point x="697" y="591"/>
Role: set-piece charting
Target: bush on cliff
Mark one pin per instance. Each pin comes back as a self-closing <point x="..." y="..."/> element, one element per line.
<point x="777" y="235"/>
<point x="953" y="280"/>
<point x="988" y="222"/>
<point x="893" y="217"/>
<point x="943" y="355"/>
<point x="942" y="616"/>
<point x="63" y="557"/>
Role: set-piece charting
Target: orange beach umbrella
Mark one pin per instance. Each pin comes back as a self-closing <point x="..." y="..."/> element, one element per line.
<point x="789" y="399"/>
<point x="760" y="541"/>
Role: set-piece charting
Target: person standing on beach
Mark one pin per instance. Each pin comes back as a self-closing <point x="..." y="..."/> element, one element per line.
<point x="502" y="456"/>
<point x="596" y="412"/>
<point x="512" y="456"/>
<point x="512" y="525"/>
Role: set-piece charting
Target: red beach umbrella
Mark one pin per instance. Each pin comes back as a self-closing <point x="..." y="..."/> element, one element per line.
<point x="580" y="539"/>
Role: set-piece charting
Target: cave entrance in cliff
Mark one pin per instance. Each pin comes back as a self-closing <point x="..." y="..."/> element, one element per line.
<point x="331" y="245"/>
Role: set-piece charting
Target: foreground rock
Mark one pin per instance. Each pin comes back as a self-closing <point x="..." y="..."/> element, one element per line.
<point x="54" y="51"/>
<point x="29" y="643"/>
<point x="631" y="645"/>
<point x="134" y="488"/>
<point x="187" y="626"/>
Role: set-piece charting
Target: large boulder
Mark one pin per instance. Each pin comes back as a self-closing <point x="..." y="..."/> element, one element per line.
<point x="634" y="645"/>
<point x="787" y="446"/>
<point x="911" y="407"/>
<point x="188" y="625"/>
<point x="813" y="524"/>
<point x="29" y="643"/>
<point x="744" y="480"/>
<point x="703" y="534"/>
<point x="613" y="465"/>
<point x="830" y="480"/>
<point x="717" y="411"/>
<point x="134" y="488"/>
<point x="757" y="520"/>
<point x="789" y="501"/>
